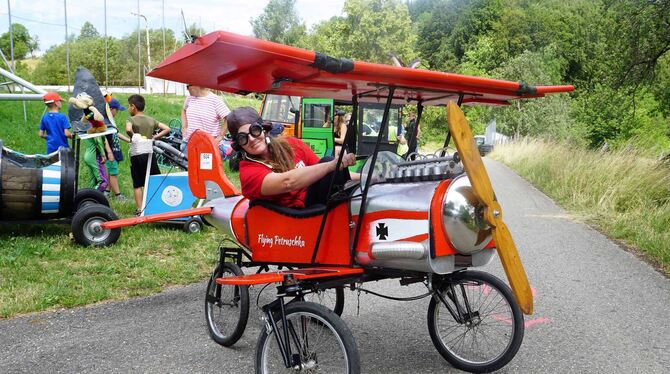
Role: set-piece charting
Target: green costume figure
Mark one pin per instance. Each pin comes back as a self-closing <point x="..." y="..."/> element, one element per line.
<point x="94" y="150"/>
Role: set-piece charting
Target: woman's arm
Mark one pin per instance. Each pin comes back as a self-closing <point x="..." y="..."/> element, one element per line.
<point x="277" y="183"/>
<point x="184" y="122"/>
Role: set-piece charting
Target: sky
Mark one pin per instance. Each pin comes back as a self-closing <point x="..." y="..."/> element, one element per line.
<point x="46" y="18"/>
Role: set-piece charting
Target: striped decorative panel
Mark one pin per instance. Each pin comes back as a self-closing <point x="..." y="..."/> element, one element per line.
<point x="51" y="188"/>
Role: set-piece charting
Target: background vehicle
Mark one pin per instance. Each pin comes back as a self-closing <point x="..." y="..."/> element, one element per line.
<point x="307" y="123"/>
<point x="308" y="119"/>
<point x="38" y="188"/>
<point x="483" y="147"/>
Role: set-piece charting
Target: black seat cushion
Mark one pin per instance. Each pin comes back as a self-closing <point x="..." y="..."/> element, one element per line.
<point x="311" y="211"/>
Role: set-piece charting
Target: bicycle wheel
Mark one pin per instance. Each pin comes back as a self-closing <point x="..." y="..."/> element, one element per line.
<point x="491" y="328"/>
<point x="317" y="336"/>
<point x="331" y="298"/>
<point x="226" y="307"/>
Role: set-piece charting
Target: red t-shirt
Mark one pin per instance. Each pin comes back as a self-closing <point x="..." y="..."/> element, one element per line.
<point x="253" y="173"/>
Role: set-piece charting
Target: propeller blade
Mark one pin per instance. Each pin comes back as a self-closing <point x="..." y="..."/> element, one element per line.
<point x="481" y="185"/>
<point x="511" y="262"/>
<point x="469" y="154"/>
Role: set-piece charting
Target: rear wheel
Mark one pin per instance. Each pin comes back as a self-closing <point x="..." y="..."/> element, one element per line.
<point x="88" y="196"/>
<point x="486" y="329"/>
<point x="226" y="307"/>
<point x="193" y="225"/>
<point x="86" y="226"/>
<point x="320" y="342"/>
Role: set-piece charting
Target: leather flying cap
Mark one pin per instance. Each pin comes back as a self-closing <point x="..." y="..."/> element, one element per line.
<point x="239" y="117"/>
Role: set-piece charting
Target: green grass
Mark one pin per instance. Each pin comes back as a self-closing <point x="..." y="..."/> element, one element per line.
<point x="41" y="268"/>
<point x="623" y="194"/>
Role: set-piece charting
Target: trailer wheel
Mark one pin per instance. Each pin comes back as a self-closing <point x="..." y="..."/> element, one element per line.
<point x="87" y="197"/>
<point x="193" y="225"/>
<point x="86" y="228"/>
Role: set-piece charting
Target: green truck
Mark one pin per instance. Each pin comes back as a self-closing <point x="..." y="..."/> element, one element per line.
<point x="311" y="119"/>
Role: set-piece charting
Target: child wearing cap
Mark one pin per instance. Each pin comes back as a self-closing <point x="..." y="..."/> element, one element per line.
<point x="54" y="126"/>
<point x="114" y="153"/>
<point x="140" y="128"/>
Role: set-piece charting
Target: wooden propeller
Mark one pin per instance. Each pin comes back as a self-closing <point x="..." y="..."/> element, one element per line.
<point x="481" y="185"/>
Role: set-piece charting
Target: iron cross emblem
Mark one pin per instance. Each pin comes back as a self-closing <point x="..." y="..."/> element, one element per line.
<point x="382" y="231"/>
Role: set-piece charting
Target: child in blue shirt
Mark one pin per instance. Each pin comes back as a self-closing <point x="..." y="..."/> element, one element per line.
<point x="54" y="126"/>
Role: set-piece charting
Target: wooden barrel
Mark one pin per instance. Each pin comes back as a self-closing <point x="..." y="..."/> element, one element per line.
<point x="29" y="193"/>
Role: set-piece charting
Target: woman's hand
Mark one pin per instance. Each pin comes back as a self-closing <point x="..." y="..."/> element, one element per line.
<point x="347" y="160"/>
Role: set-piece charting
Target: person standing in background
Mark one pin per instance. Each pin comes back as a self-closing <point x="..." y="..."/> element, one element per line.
<point x="114" y="154"/>
<point x="203" y="110"/>
<point x="412" y="134"/>
<point x="54" y="126"/>
<point x="140" y="128"/>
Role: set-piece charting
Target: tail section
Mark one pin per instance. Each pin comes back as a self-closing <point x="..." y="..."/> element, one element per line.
<point x="206" y="177"/>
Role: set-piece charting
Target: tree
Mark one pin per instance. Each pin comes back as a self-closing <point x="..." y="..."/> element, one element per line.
<point x="24" y="43"/>
<point x="639" y="37"/>
<point x="447" y="29"/>
<point x="279" y="23"/>
<point x="88" y="31"/>
<point x="370" y="31"/>
<point x="89" y="52"/>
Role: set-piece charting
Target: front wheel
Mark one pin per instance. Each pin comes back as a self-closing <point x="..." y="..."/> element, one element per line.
<point x="482" y="329"/>
<point x="331" y="298"/>
<point x="319" y="342"/>
<point x="87" y="226"/>
<point x="226" y="306"/>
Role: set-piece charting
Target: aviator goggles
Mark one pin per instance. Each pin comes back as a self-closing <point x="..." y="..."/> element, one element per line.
<point x="242" y="138"/>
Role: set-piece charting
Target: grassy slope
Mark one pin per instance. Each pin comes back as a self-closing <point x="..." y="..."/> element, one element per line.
<point x="41" y="268"/>
<point x="623" y="194"/>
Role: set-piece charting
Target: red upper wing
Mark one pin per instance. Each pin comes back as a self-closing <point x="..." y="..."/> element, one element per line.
<point x="240" y="64"/>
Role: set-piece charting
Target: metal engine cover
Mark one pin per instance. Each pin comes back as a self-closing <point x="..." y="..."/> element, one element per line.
<point x="396" y="228"/>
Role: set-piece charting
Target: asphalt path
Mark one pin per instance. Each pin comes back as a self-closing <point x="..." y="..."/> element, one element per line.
<point x="598" y="309"/>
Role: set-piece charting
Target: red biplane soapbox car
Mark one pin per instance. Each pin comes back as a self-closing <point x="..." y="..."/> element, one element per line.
<point x="422" y="221"/>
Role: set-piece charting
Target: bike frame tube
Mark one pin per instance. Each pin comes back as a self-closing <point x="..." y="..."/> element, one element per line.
<point x="459" y="103"/>
<point x="282" y="342"/>
<point x="364" y="195"/>
<point x="456" y="316"/>
<point x="466" y="302"/>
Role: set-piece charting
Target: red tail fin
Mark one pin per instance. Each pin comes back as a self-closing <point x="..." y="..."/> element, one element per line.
<point x="204" y="164"/>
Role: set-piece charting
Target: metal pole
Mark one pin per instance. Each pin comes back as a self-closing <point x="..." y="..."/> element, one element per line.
<point x="11" y="49"/>
<point x="146" y="28"/>
<point x="163" y="28"/>
<point x="21" y="96"/>
<point x="18" y="80"/>
<point x="67" y="49"/>
<point x="139" y="52"/>
<point x="106" y="51"/>
<point x="11" y="37"/>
